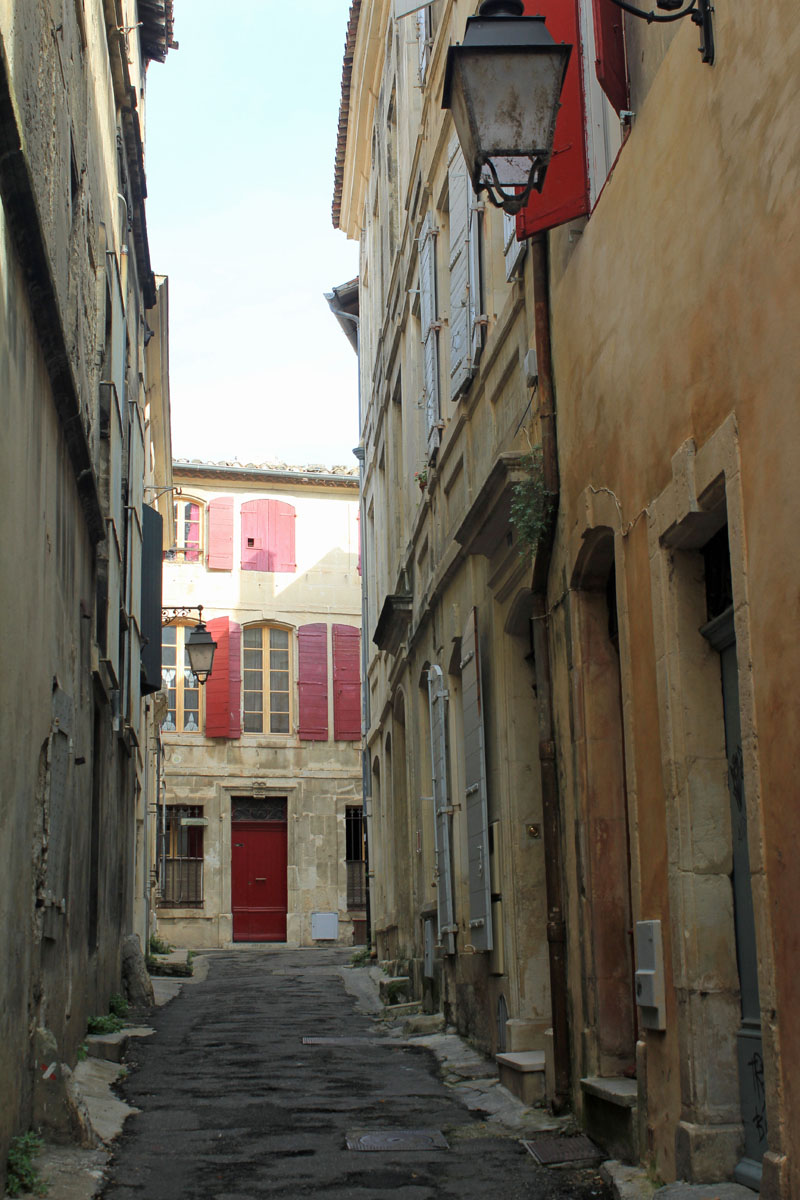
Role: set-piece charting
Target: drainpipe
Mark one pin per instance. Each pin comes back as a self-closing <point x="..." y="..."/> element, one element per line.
<point x="551" y="814"/>
<point x="366" y="775"/>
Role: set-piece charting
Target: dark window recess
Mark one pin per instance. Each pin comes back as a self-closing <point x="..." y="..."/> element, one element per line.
<point x="182" y="885"/>
<point x="354" y="857"/>
<point x="245" y="808"/>
<point x="611" y="603"/>
<point x="717" y="563"/>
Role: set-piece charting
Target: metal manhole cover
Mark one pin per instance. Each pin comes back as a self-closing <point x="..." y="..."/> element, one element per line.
<point x="338" y="1041"/>
<point x="396" y="1139"/>
<point x="553" y="1151"/>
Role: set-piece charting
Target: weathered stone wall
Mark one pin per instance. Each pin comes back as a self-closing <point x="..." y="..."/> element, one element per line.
<point x="67" y="775"/>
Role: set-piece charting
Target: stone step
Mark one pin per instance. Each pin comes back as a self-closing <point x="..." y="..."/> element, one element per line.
<point x="523" y="1073"/>
<point x="396" y="990"/>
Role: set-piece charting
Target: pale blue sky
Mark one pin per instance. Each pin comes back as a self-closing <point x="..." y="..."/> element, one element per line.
<point x="241" y="137"/>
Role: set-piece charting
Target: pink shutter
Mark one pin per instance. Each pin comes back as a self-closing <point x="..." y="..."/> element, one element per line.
<point x="224" y="684"/>
<point x="281" y="543"/>
<point x="255" y="535"/>
<point x="220" y="534"/>
<point x="346" y="683"/>
<point x="609" y="39"/>
<point x="312" y="665"/>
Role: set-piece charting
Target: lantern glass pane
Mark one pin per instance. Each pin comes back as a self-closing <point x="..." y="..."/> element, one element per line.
<point x="504" y="106"/>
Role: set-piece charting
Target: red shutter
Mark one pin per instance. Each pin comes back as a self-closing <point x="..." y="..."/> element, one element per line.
<point x="281" y="543"/>
<point x="255" y="535"/>
<point x="312" y="679"/>
<point x="609" y="40"/>
<point x="346" y="683"/>
<point x="565" y="194"/>
<point x="220" y="534"/>
<point x="224" y="684"/>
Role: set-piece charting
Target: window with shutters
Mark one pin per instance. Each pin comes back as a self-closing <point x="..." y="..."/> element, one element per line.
<point x="268" y="536"/>
<point x="430" y="323"/>
<point x="467" y="318"/>
<point x="184" y="694"/>
<point x="182" y="884"/>
<point x="189" y="520"/>
<point x="424" y="40"/>
<point x="266" y="679"/>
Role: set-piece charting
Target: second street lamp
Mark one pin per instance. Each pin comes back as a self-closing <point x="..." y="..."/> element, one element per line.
<point x="199" y="645"/>
<point x="503" y="86"/>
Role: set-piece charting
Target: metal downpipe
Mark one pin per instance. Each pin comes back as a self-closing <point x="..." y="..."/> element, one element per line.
<point x="551" y="813"/>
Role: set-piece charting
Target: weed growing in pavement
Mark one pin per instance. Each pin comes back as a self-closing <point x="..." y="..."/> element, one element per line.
<point x="83" y="1051"/>
<point x="361" y="957"/>
<point x="109" y="1023"/>
<point x="158" y="945"/>
<point x="22" y="1174"/>
<point x="118" y="1005"/>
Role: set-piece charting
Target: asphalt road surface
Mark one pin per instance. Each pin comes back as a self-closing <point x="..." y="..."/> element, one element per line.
<point x="234" y="1106"/>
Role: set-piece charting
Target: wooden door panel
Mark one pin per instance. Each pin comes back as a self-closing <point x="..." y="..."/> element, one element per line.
<point x="258" y="882"/>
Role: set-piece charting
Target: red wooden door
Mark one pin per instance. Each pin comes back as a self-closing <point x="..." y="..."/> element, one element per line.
<point x="258" y="881"/>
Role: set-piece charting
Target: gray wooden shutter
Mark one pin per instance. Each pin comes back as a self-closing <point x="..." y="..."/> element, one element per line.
<point x="461" y="197"/>
<point x="513" y="251"/>
<point x="477" y="316"/>
<point x="480" y="922"/>
<point x="423" y="36"/>
<point x="437" y="702"/>
<point x="430" y="331"/>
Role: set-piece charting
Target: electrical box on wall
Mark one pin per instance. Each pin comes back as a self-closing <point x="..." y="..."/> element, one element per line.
<point x="650" y="975"/>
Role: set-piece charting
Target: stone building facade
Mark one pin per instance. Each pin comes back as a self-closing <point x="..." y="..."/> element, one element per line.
<point x="85" y="452"/>
<point x="260" y="814"/>
<point x="602" y="861"/>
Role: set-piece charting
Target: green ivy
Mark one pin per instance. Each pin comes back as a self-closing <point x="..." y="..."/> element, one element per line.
<point x="531" y="503"/>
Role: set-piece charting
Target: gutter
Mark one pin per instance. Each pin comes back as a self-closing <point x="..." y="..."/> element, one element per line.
<point x="551" y="808"/>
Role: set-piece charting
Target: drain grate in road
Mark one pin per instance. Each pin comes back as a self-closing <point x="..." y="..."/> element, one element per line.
<point x="338" y="1041"/>
<point x="556" y="1151"/>
<point x="396" y="1139"/>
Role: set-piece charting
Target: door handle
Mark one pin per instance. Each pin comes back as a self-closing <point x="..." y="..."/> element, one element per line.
<point x="261" y="879"/>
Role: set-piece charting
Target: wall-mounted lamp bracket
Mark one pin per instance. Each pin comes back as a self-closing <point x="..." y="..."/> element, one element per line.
<point x="699" y="10"/>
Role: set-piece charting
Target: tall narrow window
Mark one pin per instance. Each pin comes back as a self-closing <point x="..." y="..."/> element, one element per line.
<point x="183" y="691"/>
<point x="354" y="856"/>
<point x="188" y="532"/>
<point x="182" y="885"/>
<point x="267" y="679"/>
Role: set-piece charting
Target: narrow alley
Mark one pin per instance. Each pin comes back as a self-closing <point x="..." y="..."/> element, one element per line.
<point x="235" y="1105"/>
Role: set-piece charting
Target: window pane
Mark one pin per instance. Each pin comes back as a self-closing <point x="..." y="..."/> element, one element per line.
<point x="252" y="702"/>
<point x="279" y="723"/>
<point x="253" y="722"/>
<point x="252" y="636"/>
<point x="278" y="638"/>
<point x="279" y="660"/>
<point x="279" y="681"/>
<point x="169" y="635"/>
<point x="253" y="681"/>
<point x="279" y="702"/>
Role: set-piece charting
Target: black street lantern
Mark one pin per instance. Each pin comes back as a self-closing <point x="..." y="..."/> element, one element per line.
<point x="503" y="86"/>
<point x="200" y="647"/>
